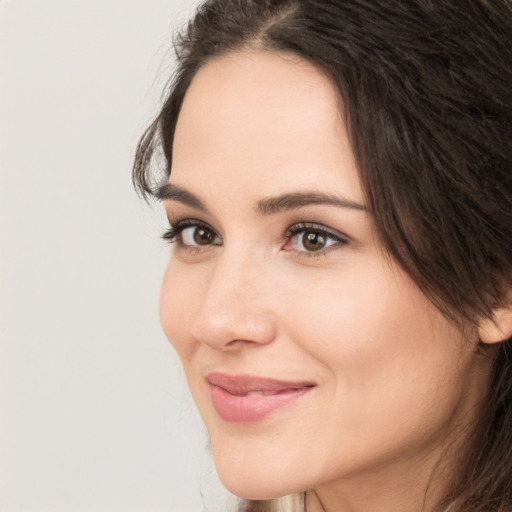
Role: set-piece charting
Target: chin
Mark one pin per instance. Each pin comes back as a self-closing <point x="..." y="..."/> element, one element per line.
<point x="252" y="478"/>
<point x="253" y="488"/>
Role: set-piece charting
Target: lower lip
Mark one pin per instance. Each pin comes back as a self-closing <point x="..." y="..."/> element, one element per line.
<point x="248" y="409"/>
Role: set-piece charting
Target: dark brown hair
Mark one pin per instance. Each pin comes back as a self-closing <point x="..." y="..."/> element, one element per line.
<point x="427" y="95"/>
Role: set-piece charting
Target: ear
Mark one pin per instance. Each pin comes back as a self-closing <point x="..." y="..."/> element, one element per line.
<point x="499" y="326"/>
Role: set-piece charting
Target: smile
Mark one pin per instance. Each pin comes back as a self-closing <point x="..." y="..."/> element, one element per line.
<point x="246" y="399"/>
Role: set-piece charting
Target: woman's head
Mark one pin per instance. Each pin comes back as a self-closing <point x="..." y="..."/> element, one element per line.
<point x="402" y="111"/>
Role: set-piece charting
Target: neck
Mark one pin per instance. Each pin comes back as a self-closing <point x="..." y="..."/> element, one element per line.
<point x="403" y="485"/>
<point x="415" y="481"/>
<point x="393" y="489"/>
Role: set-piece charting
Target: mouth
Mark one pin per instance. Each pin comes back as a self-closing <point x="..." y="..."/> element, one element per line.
<point x="246" y="398"/>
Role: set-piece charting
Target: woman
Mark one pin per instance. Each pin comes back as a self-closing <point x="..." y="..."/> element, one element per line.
<point x="338" y="184"/>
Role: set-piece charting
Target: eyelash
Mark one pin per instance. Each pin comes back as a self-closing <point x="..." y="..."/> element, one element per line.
<point x="338" y="240"/>
<point x="173" y="234"/>
<point x="170" y="235"/>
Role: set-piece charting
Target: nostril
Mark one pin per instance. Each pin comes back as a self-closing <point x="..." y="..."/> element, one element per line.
<point x="241" y="343"/>
<point x="235" y="309"/>
<point x="234" y="330"/>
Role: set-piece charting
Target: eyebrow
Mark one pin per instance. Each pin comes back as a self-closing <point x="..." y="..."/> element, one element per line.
<point x="170" y="192"/>
<point x="267" y="206"/>
<point x="296" y="200"/>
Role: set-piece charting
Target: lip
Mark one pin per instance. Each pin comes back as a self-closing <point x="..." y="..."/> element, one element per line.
<point x="247" y="398"/>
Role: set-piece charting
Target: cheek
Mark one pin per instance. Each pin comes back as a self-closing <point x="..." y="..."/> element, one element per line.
<point x="342" y="317"/>
<point x="392" y="368"/>
<point x="384" y="345"/>
<point x="179" y="297"/>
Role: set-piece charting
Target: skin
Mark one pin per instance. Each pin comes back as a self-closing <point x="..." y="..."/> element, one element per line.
<point x="396" y="382"/>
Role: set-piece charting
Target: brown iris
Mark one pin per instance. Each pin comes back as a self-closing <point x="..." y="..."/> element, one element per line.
<point x="203" y="236"/>
<point x="313" y="241"/>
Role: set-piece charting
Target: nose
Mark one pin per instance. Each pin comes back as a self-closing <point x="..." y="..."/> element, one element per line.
<point x="237" y="304"/>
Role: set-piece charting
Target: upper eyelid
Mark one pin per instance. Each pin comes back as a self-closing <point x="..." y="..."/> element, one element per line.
<point x="188" y="221"/>
<point x="299" y="227"/>
<point x="180" y="224"/>
<point x="295" y="227"/>
<point x="183" y="224"/>
<point x="176" y="211"/>
<point x="176" y="228"/>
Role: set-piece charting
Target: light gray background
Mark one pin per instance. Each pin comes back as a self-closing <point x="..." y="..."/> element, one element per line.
<point x="95" y="414"/>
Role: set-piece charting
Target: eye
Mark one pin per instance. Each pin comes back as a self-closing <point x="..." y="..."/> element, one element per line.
<point x="192" y="233"/>
<point x="308" y="238"/>
<point x="198" y="235"/>
<point x="311" y="241"/>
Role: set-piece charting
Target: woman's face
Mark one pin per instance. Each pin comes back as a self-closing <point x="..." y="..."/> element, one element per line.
<point x="312" y="357"/>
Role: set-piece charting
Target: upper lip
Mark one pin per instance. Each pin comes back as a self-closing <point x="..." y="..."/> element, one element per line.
<point x="242" y="384"/>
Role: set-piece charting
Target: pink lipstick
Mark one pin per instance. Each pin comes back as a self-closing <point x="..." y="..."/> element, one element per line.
<point x="246" y="399"/>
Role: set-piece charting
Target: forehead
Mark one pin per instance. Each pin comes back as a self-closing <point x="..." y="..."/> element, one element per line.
<point x="263" y="118"/>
